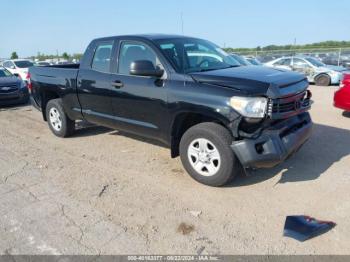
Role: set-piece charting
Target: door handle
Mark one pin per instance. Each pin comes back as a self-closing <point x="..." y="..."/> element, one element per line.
<point x="117" y="84"/>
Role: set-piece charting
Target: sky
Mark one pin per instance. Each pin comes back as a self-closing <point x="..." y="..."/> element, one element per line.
<point x="32" y="26"/>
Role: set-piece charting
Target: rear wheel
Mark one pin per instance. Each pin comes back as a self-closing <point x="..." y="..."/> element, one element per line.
<point x="323" y="80"/>
<point x="206" y="154"/>
<point x="60" y="124"/>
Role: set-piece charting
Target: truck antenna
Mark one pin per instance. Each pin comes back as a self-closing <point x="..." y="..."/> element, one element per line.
<point x="182" y="23"/>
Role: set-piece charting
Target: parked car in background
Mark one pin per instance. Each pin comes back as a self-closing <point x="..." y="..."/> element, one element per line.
<point x="62" y="62"/>
<point x="42" y="63"/>
<point x="267" y="58"/>
<point x="335" y="59"/>
<point x="342" y="96"/>
<point x="185" y="92"/>
<point x="240" y="59"/>
<point x="253" y="60"/>
<point x="18" y="66"/>
<point x="315" y="71"/>
<point x="12" y="89"/>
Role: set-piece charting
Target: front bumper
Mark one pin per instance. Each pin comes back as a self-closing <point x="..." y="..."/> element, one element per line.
<point x="19" y="97"/>
<point x="336" y="78"/>
<point x="274" y="144"/>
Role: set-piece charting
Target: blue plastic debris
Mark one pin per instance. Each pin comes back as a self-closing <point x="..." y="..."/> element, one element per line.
<point x="305" y="227"/>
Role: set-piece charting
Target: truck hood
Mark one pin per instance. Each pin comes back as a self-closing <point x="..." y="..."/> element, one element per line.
<point x="250" y="80"/>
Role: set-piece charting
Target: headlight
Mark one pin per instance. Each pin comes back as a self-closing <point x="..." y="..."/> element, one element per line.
<point x="334" y="73"/>
<point x="253" y="107"/>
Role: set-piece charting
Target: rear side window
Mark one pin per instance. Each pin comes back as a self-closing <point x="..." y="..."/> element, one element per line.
<point x="102" y="57"/>
<point x="23" y="64"/>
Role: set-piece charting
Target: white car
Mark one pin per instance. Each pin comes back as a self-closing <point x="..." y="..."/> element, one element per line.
<point x="18" y="67"/>
<point x="315" y="71"/>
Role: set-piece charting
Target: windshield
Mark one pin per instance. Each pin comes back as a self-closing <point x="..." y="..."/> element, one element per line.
<point x="241" y="60"/>
<point x="253" y="61"/>
<point x="23" y="64"/>
<point x="194" y="55"/>
<point x="4" y="72"/>
<point x="315" y="62"/>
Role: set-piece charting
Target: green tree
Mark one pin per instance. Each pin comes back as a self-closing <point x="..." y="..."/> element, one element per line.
<point x="77" y="56"/>
<point x="14" y="55"/>
<point x="65" y="56"/>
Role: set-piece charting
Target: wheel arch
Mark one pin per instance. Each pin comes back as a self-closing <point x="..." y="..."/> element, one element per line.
<point x="45" y="96"/>
<point x="185" y="120"/>
<point x="322" y="74"/>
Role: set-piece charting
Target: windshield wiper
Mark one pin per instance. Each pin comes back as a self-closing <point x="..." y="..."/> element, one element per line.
<point x="212" y="69"/>
<point x="231" y="66"/>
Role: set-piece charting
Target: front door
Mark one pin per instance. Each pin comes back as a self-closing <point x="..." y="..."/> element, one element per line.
<point x="139" y="102"/>
<point x="301" y="66"/>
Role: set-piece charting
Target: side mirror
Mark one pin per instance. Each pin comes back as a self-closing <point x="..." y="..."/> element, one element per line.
<point x="12" y="67"/>
<point x="16" y="75"/>
<point x="145" y="68"/>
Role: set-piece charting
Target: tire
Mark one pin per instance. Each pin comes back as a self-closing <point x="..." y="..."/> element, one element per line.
<point x="217" y="169"/>
<point x="60" y="124"/>
<point x="323" y="80"/>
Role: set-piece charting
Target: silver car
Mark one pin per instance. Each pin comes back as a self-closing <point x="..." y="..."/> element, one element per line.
<point x="315" y="71"/>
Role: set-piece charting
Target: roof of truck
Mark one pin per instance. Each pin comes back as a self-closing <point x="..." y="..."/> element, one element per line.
<point x="147" y="36"/>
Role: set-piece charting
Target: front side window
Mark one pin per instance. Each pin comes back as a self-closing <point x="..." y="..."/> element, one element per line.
<point x="102" y="57"/>
<point x="134" y="51"/>
<point x="194" y="55"/>
<point x="299" y="62"/>
<point x="284" y="62"/>
<point x="23" y="64"/>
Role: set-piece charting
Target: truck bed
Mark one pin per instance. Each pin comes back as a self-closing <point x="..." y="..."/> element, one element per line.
<point x="57" y="79"/>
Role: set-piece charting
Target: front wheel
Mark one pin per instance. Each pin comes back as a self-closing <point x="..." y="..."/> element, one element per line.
<point x="206" y="154"/>
<point x="323" y="80"/>
<point x="60" y="124"/>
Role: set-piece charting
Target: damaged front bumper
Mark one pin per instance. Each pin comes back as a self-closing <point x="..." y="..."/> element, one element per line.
<point x="274" y="144"/>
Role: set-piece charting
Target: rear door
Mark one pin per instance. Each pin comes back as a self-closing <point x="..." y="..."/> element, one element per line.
<point x="94" y="85"/>
<point x="139" y="102"/>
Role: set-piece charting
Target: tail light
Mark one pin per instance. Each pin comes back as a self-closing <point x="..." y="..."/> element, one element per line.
<point x="29" y="82"/>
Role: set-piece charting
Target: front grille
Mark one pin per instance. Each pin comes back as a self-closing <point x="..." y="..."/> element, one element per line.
<point x="8" y="89"/>
<point x="289" y="106"/>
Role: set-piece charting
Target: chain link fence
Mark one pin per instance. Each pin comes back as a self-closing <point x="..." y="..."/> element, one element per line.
<point x="330" y="56"/>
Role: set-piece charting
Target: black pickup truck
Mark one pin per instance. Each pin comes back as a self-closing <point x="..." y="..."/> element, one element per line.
<point x="184" y="92"/>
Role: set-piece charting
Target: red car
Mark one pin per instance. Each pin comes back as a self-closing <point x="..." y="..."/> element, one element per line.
<point x="342" y="96"/>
